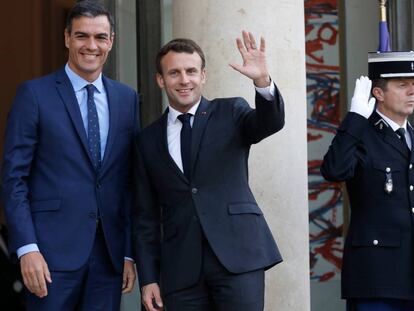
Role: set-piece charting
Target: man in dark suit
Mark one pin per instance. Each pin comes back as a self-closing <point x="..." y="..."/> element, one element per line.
<point x="65" y="175"/>
<point x="199" y="233"/>
<point x="372" y="152"/>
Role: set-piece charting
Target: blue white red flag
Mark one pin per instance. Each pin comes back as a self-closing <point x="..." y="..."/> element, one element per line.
<point x="384" y="38"/>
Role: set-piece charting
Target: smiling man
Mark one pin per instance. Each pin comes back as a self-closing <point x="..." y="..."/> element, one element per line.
<point x="201" y="240"/>
<point x="373" y="153"/>
<point x="65" y="175"/>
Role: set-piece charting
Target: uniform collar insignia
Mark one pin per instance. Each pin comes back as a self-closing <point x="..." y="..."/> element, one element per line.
<point x="381" y="123"/>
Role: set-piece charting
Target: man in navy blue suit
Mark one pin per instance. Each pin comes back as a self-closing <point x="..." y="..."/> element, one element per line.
<point x="66" y="175"/>
<point x="373" y="153"/>
<point x="201" y="240"/>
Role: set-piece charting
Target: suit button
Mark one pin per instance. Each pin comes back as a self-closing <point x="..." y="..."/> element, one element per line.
<point x="375" y="242"/>
<point x="17" y="286"/>
<point x="194" y="190"/>
<point x="411" y="166"/>
<point x="411" y="187"/>
<point x="98" y="185"/>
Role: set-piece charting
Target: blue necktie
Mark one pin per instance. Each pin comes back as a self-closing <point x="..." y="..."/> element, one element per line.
<point x="185" y="138"/>
<point x="94" y="137"/>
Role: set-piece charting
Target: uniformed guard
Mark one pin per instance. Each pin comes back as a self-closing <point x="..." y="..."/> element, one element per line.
<point x="372" y="153"/>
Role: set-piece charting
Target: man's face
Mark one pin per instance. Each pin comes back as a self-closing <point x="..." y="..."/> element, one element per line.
<point x="182" y="78"/>
<point x="89" y="44"/>
<point x="397" y="100"/>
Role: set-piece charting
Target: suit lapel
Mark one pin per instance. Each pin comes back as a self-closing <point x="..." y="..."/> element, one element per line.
<point x="67" y="94"/>
<point x="163" y="146"/>
<point x="388" y="134"/>
<point x="201" y="118"/>
<point x="113" y="107"/>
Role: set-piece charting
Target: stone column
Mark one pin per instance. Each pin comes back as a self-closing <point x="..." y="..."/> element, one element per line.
<point x="278" y="165"/>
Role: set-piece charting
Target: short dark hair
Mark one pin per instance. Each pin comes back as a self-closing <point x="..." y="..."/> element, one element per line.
<point x="381" y="83"/>
<point x="88" y="8"/>
<point x="179" y="45"/>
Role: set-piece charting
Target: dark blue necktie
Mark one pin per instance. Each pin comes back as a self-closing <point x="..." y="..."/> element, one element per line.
<point x="401" y="133"/>
<point x="94" y="137"/>
<point x="186" y="143"/>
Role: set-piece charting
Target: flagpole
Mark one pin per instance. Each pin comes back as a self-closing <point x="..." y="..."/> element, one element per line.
<point x="384" y="36"/>
<point x="383" y="10"/>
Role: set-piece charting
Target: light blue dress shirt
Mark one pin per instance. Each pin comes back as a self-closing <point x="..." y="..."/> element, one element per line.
<point x="101" y="102"/>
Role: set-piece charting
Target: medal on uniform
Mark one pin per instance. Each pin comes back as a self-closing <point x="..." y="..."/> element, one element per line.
<point x="388" y="187"/>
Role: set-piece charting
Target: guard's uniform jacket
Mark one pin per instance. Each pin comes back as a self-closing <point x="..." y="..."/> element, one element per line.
<point x="378" y="259"/>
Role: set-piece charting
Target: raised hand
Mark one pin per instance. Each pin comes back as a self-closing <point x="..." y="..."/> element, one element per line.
<point x="361" y="103"/>
<point x="254" y="60"/>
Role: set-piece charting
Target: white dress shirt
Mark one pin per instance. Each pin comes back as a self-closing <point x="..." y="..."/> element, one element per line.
<point x="396" y="126"/>
<point x="174" y="125"/>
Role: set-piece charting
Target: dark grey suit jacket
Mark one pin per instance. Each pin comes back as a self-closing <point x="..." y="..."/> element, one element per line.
<point x="172" y="215"/>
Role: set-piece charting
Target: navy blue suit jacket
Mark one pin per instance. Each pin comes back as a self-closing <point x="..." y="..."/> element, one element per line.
<point x="51" y="191"/>
<point x="378" y="259"/>
<point x="173" y="216"/>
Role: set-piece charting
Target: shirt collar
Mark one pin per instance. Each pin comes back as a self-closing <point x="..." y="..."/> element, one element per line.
<point x="173" y="113"/>
<point x="395" y="126"/>
<point x="79" y="83"/>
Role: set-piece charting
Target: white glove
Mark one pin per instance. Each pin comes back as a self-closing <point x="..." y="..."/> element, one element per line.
<point x="361" y="103"/>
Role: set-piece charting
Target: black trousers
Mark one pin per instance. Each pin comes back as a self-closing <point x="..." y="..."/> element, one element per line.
<point x="219" y="290"/>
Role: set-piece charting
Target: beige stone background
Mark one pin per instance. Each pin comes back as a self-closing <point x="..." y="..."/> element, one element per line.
<point x="278" y="165"/>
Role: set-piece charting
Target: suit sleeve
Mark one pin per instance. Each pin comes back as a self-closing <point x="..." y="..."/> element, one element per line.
<point x="136" y="126"/>
<point x="19" y="149"/>
<point x="146" y="225"/>
<point x="257" y="124"/>
<point x="347" y="150"/>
